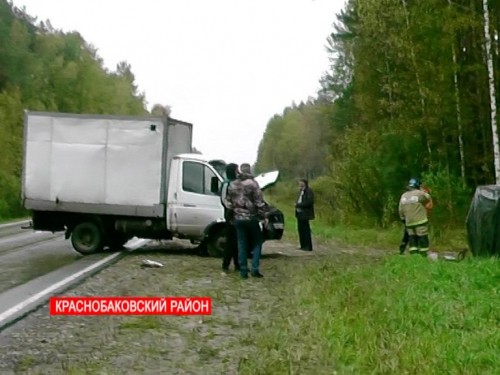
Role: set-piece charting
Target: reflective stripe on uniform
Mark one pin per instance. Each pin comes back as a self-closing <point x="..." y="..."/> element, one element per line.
<point x="424" y="221"/>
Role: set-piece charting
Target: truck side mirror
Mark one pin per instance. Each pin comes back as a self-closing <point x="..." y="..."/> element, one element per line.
<point x="214" y="185"/>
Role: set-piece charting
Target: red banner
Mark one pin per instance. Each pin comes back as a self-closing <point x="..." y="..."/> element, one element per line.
<point x="130" y="306"/>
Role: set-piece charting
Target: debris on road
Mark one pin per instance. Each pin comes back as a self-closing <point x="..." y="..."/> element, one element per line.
<point x="449" y="255"/>
<point x="455" y="256"/>
<point x="432" y="255"/>
<point x="151" y="263"/>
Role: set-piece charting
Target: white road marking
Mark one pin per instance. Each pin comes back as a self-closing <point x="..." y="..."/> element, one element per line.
<point x="136" y="243"/>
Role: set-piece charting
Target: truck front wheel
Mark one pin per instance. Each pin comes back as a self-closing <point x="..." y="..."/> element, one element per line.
<point x="216" y="243"/>
<point x="87" y="238"/>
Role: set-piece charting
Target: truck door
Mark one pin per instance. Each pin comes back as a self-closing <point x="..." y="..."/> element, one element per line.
<point x="198" y="203"/>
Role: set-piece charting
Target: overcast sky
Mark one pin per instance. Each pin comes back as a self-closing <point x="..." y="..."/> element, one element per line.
<point x="227" y="66"/>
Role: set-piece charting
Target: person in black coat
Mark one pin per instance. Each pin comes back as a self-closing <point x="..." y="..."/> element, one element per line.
<point x="304" y="211"/>
<point x="231" y="246"/>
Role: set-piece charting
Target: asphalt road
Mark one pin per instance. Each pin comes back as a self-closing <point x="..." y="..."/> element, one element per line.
<point x="26" y="254"/>
<point x="35" y="265"/>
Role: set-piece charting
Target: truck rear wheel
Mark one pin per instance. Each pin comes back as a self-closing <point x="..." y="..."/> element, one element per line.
<point x="87" y="238"/>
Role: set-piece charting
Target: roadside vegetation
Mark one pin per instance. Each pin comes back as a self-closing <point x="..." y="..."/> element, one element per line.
<point x="355" y="314"/>
<point x="363" y="310"/>
<point x="447" y="234"/>
<point x="406" y="95"/>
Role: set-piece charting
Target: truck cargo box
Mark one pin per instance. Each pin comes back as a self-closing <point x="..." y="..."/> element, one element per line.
<point x="98" y="163"/>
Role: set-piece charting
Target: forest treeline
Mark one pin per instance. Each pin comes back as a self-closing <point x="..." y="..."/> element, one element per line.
<point x="407" y="94"/>
<point x="44" y="69"/>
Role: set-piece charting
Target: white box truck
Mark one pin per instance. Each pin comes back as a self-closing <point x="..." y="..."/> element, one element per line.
<point x="105" y="179"/>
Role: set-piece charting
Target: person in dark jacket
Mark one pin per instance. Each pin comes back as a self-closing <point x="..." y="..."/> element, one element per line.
<point x="231" y="246"/>
<point x="304" y="212"/>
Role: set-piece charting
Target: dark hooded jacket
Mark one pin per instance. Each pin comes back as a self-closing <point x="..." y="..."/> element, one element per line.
<point x="231" y="170"/>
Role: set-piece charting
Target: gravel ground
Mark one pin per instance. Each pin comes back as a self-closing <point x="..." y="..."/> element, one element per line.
<point x="44" y="344"/>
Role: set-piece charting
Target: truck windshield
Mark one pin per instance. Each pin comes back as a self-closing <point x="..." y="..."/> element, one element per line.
<point x="220" y="167"/>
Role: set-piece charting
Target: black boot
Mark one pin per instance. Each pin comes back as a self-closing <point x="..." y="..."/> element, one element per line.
<point x="402" y="249"/>
<point x="404" y="242"/>
<point x="423" y="245"/>
<point x="413" y="241"/>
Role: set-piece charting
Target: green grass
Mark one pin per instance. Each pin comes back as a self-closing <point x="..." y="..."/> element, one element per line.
<point x="442" y="238"/>
<point x="25" y="363"/>
<point x="398" y="315"/>
<point x="141" y="323"/>
<point x="354" y="314"/>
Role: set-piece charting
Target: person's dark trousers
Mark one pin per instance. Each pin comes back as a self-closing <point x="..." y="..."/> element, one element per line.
<point x="304" y="234"/>
<point x="231" y="248"/>
<point x="249" y="236"/>
<point x="404" y="242"/>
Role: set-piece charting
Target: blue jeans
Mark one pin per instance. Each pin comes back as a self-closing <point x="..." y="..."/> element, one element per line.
<point x="249" y="237"/>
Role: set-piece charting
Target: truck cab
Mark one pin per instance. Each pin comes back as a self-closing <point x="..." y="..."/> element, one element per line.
<point x="193" y="200"/>
<point x="194" y="205"/>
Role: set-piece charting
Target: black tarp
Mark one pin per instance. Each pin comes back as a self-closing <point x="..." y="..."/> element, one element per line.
<point x="483" y="221"/>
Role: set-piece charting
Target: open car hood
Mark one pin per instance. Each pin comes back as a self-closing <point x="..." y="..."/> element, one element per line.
<point x="267" y="179"/>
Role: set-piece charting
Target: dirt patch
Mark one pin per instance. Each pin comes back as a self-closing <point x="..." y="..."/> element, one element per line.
<point x="44" y="344"/>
